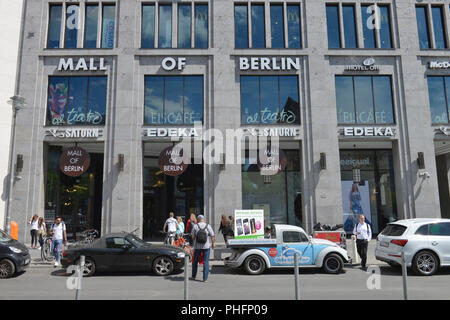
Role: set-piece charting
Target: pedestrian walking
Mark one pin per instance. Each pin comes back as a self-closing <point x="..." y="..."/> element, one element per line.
<point x="42" y="230"/>
<point x="189" y="225"/>
<point x="59" y="237"/>
<point x="203" y="237"/>
<point x="34" y="230"/>
<point x="226" y="228"/>
<point x="180" y="227"/>
<point x="363" y="234"/>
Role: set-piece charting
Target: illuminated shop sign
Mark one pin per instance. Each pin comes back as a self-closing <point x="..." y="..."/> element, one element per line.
<point x="367" y="65"/>
<point x="369" y="131"/>
<point x="83" y="64"/>
<point x="171" y="132"/>
<point x="439" y="65"/>
<point x="273" y="132"/>
<point x="264" y="63"/>
<point x="74" y="133"/>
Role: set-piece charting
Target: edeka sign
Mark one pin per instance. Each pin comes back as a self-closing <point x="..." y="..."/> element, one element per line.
<point x="74" y="161"/>
<point x="171" y="132"/>
<point x="92" y="64"/>
<point x="369" y="131"/>
<point x="275" y="64"/>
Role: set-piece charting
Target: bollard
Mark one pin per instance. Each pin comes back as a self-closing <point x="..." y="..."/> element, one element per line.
<point x="186" y="277"/>
<point x="405" y="277"/>
<point x="297" y="280"/>
<point x="357" y="259"/>
<point x="80" y="270"/>
<point x="14" y="230"/>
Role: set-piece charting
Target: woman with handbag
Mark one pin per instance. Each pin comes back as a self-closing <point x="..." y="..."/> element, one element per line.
<point x="226" y="228"/>
<point x="42" y="230"/>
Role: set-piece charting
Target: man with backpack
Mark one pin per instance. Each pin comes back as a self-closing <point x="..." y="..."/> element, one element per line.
<point x="203" y="237"/>
<point x="363" y="234"/>
<point x="59" y="235"/>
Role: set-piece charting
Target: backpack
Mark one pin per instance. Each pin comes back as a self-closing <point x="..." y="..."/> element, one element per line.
<point x="202" y="235"/>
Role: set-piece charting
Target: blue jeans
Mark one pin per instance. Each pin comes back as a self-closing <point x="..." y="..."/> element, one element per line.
<point x="197" y="253"/>
<point x="56" y="248"/>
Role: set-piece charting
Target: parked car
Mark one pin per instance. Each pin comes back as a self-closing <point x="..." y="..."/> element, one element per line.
<point x="14" y="256"/>
<point x="425" y="243"/>
<point x="125" y="252"/>
<point x="255" y="256"/>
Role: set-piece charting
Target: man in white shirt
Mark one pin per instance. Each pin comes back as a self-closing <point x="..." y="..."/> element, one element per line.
<point x="171" y="226"/>
<point x="59" y="236"/>
<point x="363" y="234"/>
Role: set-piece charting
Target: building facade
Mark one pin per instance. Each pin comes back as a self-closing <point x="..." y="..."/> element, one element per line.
<point x="354" y="93"/>
<point x="10" y="24"/>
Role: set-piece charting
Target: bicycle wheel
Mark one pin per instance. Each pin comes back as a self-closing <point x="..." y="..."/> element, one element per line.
<point x="46" y="251"/>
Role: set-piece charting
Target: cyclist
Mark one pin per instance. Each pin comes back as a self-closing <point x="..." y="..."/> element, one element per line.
<point x="170" y="226"/>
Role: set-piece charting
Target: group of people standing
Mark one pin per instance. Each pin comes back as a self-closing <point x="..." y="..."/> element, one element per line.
<point x="38" y="230"/>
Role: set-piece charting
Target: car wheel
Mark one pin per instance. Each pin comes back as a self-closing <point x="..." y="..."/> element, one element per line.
<point x="89" y="267"/>
<point x="425" y="263"/>
<point x="254" y="265"/>
<point x="163" y="266"/>
<point x="333" y="264"/>
<point x="7" y="268"/>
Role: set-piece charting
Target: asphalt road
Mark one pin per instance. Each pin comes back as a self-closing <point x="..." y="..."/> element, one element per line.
<point x="50" y="284"/>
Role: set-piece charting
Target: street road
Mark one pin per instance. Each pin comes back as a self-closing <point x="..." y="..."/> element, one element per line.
<point x="50" y="284"/>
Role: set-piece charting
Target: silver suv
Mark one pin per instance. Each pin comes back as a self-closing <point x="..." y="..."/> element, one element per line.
<point x="425" y="242"/>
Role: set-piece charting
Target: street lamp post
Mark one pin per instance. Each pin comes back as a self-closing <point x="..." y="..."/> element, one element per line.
<point x="17" y="103"/>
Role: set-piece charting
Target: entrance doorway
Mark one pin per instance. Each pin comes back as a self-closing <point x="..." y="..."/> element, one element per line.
<point x="78" y="200"/>
<point x="163" y="194"/>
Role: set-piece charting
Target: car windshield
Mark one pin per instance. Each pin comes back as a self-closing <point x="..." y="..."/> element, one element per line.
<point x="4" y="237"/>
<point x="136" y="241"/>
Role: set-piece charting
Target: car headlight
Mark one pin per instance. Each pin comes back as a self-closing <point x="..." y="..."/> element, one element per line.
<point x="181" y="255"/>
<point x="15" y="250"/>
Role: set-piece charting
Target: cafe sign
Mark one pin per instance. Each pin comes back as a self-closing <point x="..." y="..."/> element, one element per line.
<point x="171" y="161"/>
<point x="74" y="161"/>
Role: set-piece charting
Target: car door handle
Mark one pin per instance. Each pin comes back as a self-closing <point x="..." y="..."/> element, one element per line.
<point x="434" y="243"/>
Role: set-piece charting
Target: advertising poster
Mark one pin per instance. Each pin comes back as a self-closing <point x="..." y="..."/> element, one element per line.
<point x="355" y="201"/>
<point x="57" y="101"/>
<point x="248" y="224"/>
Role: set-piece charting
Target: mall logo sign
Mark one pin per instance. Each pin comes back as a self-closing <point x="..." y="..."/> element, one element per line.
<point x="367" y="65"/>
<point x="369" y="131"/>
<point x="92" y="64"/>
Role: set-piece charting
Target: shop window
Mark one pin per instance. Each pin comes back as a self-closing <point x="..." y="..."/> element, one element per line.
<point x="294" y="28"/>
<point x="373" y="194"/>
<point x="364" y="100"/>
<point x="173" y="99"/>
<point x="277" y="26"/>
<point x="436" y="13"/>
<point x="439" y="96"/>
<point x="270" y="100"/>
<point x="333" y="26"/>
<point x="184" y="26"/>
<point x="76" y="100"/>
<point x="108" y="25"/>
<point x="348" y="12"/>
<point x="54" y="28"/>
<point x="241" y="26"/>
<point x="201" y="26"/>
<point x="279" y="195"/>
<point x="258" y="26"/>
<point x="370" y="32"/>
<point x="91" y="29"/>
<point x="148" y="26"/>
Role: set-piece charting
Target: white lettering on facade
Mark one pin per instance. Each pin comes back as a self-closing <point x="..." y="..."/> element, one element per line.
<point x="256" y="63"/>
<point x="369" y="131"/>
<point x="68" y="65"/>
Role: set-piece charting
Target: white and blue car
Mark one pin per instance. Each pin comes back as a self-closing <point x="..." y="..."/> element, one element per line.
<point x="255" y="256"/>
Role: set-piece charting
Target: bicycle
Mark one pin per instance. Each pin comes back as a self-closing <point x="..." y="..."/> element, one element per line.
<point x="89" y="236"/>
<point x="170" y="237"/>
<point x="46" y="249"/>
<point x="180" y="241"/>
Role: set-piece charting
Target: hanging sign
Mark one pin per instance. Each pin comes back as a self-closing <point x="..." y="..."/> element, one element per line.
<point x="74" y="161"/>
<point x="171" y="161"/>
<point x="272" y="162"/>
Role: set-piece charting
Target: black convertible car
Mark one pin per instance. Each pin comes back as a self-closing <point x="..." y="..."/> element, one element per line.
<point x="125" y="252"/>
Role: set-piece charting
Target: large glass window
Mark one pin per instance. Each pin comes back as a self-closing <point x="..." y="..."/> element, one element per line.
<point x="173" y="99"/>
<point x="439" y="95"/>
<point x="184" y="26"/>
<point x="258" y="28"/>
<point x="385" y="27"/>
<point x="270" y="100"/>
<point x="241" y="26"/>
<point x="108" y="25"/>
<point x="76" y="100"/>
<point x="90" y="32"/>
<point x="277" y="26"/>
<point x="348" y="12"/>
<point x="364" y="99"/>
<point x="54" y="28"/>
<point x="148" y="26"/>
<point x="293" y="24"/>
<point x="165" y="26"/>
<point x="438" y="27"/>
<point x="333" y="28"/>
<point x="374" y="194"/>
<point x="72" y="20"/>
<point x="280" y="195"/>
<point x="368" y="29"/>
<point x="201" y="26"/>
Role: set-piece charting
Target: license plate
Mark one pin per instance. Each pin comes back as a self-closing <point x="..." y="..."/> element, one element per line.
<point x="384" y="244"/>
